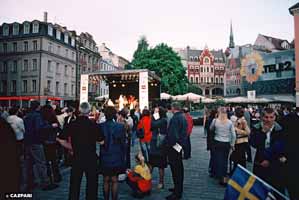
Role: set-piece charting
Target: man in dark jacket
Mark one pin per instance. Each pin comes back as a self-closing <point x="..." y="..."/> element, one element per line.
<point x="267" y="138"/>
<point x="84" y="134"/>
<point x="176" y="138"/>
<point x="34" y="151"/>
<point x="290" y="125"/>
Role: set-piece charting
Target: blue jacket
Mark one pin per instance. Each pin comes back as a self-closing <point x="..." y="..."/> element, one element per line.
<point x="113" y="152"/>
<point x="33" y="123"/>
<point x="157" y="126"/>
<point x="177" y="130"/>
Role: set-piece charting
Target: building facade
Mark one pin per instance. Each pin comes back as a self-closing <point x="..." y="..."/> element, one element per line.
<point x="206" y="70"/>
<point x="37" y="61"/>
<point x="110" y="57"/>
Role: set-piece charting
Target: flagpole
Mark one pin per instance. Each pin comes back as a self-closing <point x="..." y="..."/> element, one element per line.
<point x="261" y="180"/>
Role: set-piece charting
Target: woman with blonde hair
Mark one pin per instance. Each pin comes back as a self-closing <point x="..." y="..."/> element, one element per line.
<point x="140" y="179"/>
<point x="224" y="140"/>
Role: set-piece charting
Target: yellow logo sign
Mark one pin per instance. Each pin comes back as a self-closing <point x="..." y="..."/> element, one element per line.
<point x="252" y="67"/>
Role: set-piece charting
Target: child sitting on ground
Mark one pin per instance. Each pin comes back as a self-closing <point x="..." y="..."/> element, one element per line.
<point x="140" y="179"/>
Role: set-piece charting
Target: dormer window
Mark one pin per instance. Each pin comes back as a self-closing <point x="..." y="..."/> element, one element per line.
<point x="58" y="34"/>
<point x="15" y="29"/>
<point x="66" y="38"/>
<point x="73" y="42"/>
<point x="35" y="27"/>
<point x="26" y="28"/>
<point x="50" y="30"/>
<point x="5" y="30"/>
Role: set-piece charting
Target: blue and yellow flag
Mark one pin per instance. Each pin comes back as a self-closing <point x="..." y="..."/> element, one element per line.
<point x="244" y="185"/>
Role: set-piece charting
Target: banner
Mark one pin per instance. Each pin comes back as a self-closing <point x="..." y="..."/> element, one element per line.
<point x="84" y="88"/>
<point x="143" y="90"/>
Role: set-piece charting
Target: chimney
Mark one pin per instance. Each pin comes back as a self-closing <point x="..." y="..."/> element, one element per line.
<point x="45" y="17"/>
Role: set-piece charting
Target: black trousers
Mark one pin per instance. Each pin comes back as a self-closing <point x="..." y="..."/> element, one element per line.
<point x="177" y="170"/>
<point x="78" y="168"/>
<point x="239" y="155"/>
<point x="187" y="148"/>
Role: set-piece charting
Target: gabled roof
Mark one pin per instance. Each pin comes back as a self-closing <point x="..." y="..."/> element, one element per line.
<point x="275" y="41"/>
<point x="294" y="7"/>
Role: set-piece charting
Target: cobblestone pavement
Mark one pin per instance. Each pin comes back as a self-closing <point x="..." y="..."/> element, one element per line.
<point x="197" y="184"/>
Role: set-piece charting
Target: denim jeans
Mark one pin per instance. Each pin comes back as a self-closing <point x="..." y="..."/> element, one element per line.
<point x="34" y="155"/>
<point x="145" y="149"/>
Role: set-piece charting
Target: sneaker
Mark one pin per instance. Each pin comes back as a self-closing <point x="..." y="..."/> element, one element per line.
<point x="160" y="186"/>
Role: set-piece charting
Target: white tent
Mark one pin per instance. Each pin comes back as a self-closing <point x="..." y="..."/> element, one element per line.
<point x="106" y="96"/>
<point x="246" y="100"/>
<point x="192" y="97"/>
<point x="165" y="96"/>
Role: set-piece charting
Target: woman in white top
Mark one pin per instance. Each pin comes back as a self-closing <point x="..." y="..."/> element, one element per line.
<point x="16" y="123"/>
<point x="224" y="140"/>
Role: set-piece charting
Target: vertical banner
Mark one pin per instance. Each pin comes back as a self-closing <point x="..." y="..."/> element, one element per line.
<point x="143" y="90"/>
<point x="84" y="88"/>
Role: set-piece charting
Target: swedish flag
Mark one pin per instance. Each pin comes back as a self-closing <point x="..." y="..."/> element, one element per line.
<point x="244" y="185"/>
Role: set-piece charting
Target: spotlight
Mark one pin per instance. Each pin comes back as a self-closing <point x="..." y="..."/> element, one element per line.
<point x="114" y="85"/>
<point x="123" y="85"/>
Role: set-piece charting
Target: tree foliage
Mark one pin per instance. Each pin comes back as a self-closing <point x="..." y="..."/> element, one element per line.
<point x="165" y="63"/>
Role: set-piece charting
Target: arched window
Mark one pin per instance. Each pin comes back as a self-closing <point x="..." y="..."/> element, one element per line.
<point x="50" y="30"/>
<point x="206" y="61"/>
<point x="196" y="79"/>
<point x="191" y="79"/>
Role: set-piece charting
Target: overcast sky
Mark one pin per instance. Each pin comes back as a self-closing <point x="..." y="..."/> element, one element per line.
<point x="120" y="23"/>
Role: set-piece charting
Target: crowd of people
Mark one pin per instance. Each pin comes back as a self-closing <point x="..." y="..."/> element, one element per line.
<point x="233" y="131"/>
<point x="34" y="141"/>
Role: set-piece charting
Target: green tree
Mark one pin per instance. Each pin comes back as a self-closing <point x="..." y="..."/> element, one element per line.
<point x="142" y="47"/>
<point x="166" y="64"/>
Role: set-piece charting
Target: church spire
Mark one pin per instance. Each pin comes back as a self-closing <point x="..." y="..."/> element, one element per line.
<point x="231" y="37"/>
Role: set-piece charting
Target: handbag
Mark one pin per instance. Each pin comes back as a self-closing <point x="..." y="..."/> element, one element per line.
<point x="140" y="132"/>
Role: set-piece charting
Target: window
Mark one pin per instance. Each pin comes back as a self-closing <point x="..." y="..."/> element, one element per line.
<point x="73" y="55"/>
<point x="73" y="70"/>
<point x="73" y="42"/>
<point x="50" y="47"/>
<point x="58" y="34"/>
<point x="26" y="28"/>
<point x="49" y="85"/>
<point x="35" y="27"/>
<point x="4" y="66"/>
<point x="206" y="60"/>
<point x="66" y="53"/>
<point x="65" y="89"/>
<point x="57" y="87"/>
<point x="216" y="80"/>
<point x="221" y="80"/>
<point x="212" y="69"/>
<point x="66" y="38"/>
<point x="33" y="85"/>
<point x="34" y="64"/>
<point x="58" y="50"/>
<point x="5" y="30"/>
<point x="15" y="29"/>
<point x="4" y="47"/>
<point x="34" y="44"/>
<point x="49" y="66"/>
<point x="208" y="69"/>
<point x="15" y="47"/>
<point x="196" y="79"/>
<point x="212" y="79"/>
<point x="65" y="70"/>
<point x="50" y="30"/>
<point x="191" y="79"/>
<point x="72" y="89"/>
<point x="201" y="80"/>
<point x="25" y="65"/>
<point x="26" y="46"/>
<point x="13" y="86"/>
<point x="14" y="66"/>
<point x="57" y="68"/>
<point x="24" y="86"/>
